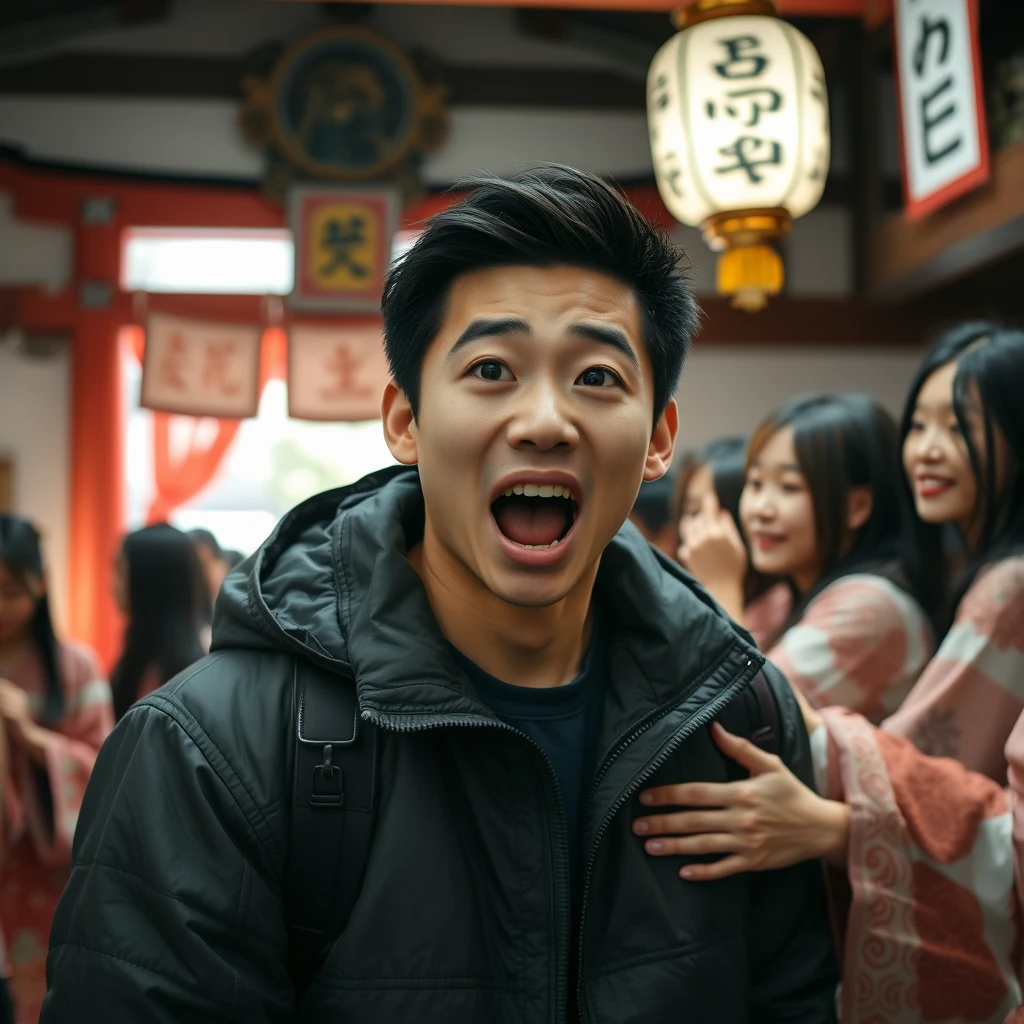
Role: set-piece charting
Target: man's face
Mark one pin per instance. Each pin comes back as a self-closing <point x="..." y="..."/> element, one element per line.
<point x="534" y="426"/>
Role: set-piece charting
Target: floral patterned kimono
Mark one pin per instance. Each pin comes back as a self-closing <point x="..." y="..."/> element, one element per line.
<point x="861" y="644"/>
<point x="931" y="916"/>
<point x="968" y="698"/>
<point x="42" y="809"/>
<point x="927" y="915"/>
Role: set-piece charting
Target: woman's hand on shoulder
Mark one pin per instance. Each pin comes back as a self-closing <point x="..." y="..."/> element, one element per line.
<point x="769" y="821"/>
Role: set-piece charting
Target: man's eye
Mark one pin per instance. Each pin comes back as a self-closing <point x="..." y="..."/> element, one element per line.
<point x="491" y="369"/>
<point x="597" y="377"/>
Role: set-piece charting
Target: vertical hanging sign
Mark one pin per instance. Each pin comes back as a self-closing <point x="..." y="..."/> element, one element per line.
<point x="942" y="102"/>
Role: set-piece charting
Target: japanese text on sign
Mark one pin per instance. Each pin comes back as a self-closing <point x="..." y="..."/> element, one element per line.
<point x="944" y="141"/>
<point x="201" y="369"/>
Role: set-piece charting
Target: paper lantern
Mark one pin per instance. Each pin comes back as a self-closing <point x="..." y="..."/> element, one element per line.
<point x="738" y="114"/>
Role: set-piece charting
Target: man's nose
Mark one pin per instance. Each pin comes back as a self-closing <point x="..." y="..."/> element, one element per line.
<point x="542" y="419"/>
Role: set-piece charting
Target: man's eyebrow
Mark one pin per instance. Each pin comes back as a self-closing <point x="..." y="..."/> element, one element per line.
<point x="607" y="336"/>
<point x="490" y="329"/>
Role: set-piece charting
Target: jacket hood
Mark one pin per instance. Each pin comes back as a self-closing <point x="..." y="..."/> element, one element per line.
<point x="332" y="584"/>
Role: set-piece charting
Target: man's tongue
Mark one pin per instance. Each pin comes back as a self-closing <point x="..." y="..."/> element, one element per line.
<point x="533" y="521"/>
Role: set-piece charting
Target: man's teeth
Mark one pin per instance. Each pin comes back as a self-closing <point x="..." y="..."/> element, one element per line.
<point x="538" y="491"/>
<point x="540" y="547"/>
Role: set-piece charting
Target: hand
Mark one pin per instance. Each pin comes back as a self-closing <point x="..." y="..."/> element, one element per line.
<point x="17" y="715"/>
<point x="714" y="552"/>
<point x="769" y="821"/>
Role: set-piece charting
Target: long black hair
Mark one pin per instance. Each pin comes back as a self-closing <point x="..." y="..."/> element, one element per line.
<point x="843" y="442"/>
<point x="726" y="457"/>
<point x="165" y="603"/>
<point x="989" y="358"/>
<point x="21" y="552"/>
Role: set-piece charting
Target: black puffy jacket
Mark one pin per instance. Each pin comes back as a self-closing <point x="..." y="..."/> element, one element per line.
<point x="174" y="907"/>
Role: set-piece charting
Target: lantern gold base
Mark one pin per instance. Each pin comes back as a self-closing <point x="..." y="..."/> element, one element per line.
<point x="704" y="10"/>
<point x="749" y="274"/>
<point x="749" y="269"/>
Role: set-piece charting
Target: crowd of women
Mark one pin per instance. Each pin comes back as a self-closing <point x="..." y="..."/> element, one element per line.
<point x="57" y="708"/>
<point x="879" y="565"/>
<point x="892" y="597"/>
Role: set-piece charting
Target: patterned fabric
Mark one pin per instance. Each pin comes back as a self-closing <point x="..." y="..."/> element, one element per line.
<point x="860" y="644"/>
<point x="42" y="811"/>
<point x="765" y="616"/>
<point x="968" y="698"/>
<point x="932" y="923"/>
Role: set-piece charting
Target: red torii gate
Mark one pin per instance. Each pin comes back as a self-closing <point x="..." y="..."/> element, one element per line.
<point x="92" y="311"/>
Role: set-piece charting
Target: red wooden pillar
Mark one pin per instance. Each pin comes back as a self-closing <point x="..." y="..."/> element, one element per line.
<point x="97" y="514"/>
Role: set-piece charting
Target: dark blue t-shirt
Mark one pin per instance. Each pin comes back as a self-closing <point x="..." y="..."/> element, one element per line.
<point x="564" y="721"/>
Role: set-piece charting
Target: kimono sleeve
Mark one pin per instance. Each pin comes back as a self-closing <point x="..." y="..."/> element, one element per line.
<point x="50" y="795"/>
<point x="930" y="918"/>
<point x="860" y="644"/>
<point x="968" y="698"/>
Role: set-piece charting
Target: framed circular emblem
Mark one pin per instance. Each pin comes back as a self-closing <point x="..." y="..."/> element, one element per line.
<point x="346" y="104"/>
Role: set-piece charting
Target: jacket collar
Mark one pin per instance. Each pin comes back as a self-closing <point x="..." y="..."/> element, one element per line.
<point x="665" y="633"/>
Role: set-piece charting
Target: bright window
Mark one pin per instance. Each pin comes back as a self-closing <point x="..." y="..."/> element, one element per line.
<point x="196" y="261"/>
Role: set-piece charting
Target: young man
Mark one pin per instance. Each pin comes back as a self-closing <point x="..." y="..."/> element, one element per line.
<point x="526" y="666"/>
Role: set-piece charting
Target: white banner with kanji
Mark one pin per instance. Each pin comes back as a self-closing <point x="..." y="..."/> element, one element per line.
<point x="336" y="373"/>
<point x="197" y="368"/>
<point x="942" y="102"/>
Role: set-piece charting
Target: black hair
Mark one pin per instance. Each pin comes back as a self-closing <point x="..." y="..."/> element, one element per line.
<point x="653" y="503"/>
<point x="550" y="216"/>
<point x="165" y="609"/>
<point x="843" y="442"/>
<point x="988" y="357"/>
<point x="204" y="538"/>
<point x="726" y="457"/>
<point x="22" y="553"/>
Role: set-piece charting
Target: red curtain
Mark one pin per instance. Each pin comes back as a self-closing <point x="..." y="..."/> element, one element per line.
<point x="178" y="481"/>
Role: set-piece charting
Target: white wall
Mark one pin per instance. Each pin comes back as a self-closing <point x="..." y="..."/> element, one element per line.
<point x="729" y="389"/>
<point x="34" y="414"/>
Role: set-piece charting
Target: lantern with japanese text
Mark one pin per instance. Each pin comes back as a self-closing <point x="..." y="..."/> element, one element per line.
<point x="738" y="114"/>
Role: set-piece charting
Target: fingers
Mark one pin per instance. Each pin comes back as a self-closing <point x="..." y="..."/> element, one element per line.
<point x="752" y="757"/>
<point x="683" y="822"/>
<point x="714" y="842"/>
<point x="723" y="868"/>
<point x="692" y="794"/>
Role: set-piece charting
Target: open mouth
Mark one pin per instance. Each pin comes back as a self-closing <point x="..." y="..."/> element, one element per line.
<point x="535" y="516"/>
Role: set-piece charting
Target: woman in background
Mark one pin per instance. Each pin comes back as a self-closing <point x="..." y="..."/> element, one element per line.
<point x="928" y="848"/>
<point x="56" y="710"/>
<point x="710" y="482"/>
<point x="821" y="508"/>
<point x="160" y="588"/>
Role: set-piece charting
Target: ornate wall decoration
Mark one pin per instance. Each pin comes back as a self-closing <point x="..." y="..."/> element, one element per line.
<point x="345" y="105"/>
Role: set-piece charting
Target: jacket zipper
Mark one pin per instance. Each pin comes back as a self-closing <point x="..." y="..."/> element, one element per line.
<point x="698" y="720"/>
<point x="562" y="851"/>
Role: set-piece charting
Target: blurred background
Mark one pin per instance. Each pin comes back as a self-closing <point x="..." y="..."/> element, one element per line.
<point x="166" y="165"/>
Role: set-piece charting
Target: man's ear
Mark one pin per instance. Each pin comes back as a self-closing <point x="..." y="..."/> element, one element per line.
<point x="859" y="504"/>
<point x="399" y="425"/>
<point x="663" y="442"/>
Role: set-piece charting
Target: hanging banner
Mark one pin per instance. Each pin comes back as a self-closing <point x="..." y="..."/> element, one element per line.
<point x="195" y="368"/>
<point x="942" y="102"/>
<point x="342" y="246"/>
<point x="336" y="373"/>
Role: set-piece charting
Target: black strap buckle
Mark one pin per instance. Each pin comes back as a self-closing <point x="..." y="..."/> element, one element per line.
<point x="328" y="788"/>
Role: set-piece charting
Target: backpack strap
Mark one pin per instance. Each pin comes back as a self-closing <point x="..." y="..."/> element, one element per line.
<point x="333" y="802"/>
<point x="754" y="714"/>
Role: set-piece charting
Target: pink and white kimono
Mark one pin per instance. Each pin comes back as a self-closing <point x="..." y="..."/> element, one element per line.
<point x="971" y="694"/>
<point x="927" y="913"/>
<point x="861" y="644"/>
<point x="42" y="805"/>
